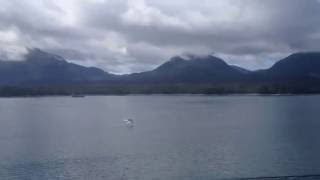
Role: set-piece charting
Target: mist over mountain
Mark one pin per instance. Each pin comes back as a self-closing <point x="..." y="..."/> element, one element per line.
<point x="198" y="69"/>
<point x="299" y="72"/>
<point x="296" y="67"/>
<point x="42" y="68"/>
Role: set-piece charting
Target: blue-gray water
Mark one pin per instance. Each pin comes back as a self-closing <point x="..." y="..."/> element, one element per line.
<point x="174" y="137"/>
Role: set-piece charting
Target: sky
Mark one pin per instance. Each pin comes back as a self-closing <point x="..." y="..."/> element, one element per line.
<point x="125" y="36"/>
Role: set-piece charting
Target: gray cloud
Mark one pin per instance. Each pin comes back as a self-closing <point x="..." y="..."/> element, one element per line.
<point x="123" y="36"/>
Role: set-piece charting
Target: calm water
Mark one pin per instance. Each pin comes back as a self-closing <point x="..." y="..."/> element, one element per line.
<point x="174" y="137"/>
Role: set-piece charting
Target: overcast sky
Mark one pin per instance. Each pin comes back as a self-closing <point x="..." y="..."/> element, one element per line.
<point x="123" y="36"/>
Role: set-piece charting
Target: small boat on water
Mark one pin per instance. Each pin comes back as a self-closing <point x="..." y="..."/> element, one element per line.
<point x="129" y="122"/>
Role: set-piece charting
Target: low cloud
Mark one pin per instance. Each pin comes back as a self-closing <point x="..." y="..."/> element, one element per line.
<point x="123" y="36"/>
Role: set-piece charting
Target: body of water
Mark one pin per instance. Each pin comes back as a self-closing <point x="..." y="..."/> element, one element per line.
<point x="173" y="137"/>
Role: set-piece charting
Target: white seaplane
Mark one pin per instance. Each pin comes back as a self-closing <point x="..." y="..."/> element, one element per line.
<point x="129" y="122"/>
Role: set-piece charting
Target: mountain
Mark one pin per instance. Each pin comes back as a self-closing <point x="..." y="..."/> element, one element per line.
<point x="42" y="68"/>
<point x="195" y="69"/>
<point x="42" y="73"/>
<point x="296" y="67"/>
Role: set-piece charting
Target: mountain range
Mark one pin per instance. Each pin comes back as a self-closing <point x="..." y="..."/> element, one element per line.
<point x="45" y="73"/>
<point x="41" y="68"/>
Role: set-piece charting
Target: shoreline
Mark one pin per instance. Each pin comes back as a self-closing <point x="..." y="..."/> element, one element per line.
<point x="164" y="94"/>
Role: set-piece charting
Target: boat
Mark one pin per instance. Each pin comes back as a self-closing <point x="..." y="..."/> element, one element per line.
<point x="129" y="122"/>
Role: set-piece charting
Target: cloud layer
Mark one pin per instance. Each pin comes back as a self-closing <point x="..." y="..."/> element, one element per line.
<point x="123" y="36"/>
